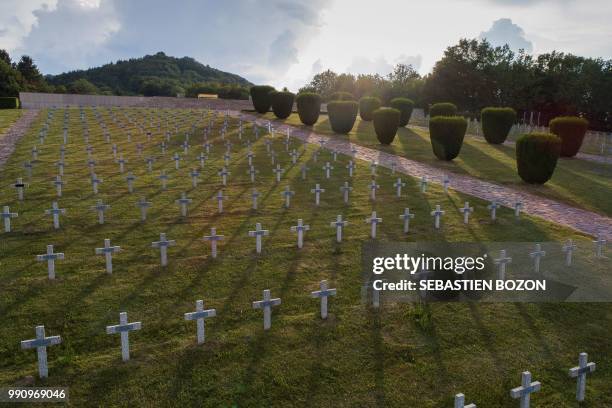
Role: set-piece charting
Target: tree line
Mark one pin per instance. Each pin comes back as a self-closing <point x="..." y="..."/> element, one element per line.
<point x="474" y="74"/>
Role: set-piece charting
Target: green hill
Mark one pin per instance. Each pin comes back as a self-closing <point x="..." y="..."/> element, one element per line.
<point x="153" y="75"/>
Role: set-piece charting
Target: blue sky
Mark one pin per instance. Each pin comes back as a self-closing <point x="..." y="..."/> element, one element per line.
<point x="283" y="42"/>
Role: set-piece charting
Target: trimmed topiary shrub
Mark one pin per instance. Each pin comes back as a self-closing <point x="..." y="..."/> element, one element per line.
<point x="496" y="123"/>
<point x="342" y="115"/>
<point x="405" y="106"/>
<point x="260" y="95"/>
<point x="442" y="109"/>
<point x="446" y="134"/>
<point x="282" y="103"/>
<point x="386" y="122"/>
<point x="536" y="156"/>
<point x="571" y="130"/>
<point x="367" y="105"/>
<point x="309" y="107"/>
<point x="342" y="96"/>
<point x="9" y="102"/>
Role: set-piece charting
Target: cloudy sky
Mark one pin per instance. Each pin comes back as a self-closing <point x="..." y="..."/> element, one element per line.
<point x="283" y="42"/>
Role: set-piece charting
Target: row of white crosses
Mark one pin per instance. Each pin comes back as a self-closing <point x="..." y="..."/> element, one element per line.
<point x="41" y="342"/>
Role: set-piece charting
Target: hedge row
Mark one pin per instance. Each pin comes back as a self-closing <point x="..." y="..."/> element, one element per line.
<point x="282" y="103"/>
<point x="7" y="102"/>
<point x="309" y="107"/>
<point x="446" y="134"/>
<point x="496" y="123"/>
<point x="261" y="98"/>
<point x="386" y="122"/>
<point x="342" y="115"/>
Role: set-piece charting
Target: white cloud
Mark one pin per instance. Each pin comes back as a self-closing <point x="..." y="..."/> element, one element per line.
<point x="17" y="17"/>
<point x="504" y="31"/>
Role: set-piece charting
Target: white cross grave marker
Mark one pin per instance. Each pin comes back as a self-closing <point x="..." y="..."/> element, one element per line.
<point x="569" y="248"/>
<point x="19" y="186"/>
<point x="108" y="252"/>
<point x="143" y="204"/>
<point x="124" y="328"/>
<point x="580" y="373"/>
<point x="518" y="206"/>
<point x="501" y="262"/>
<point x="55" y="211"/>
<point x="351" y="167"/>
<point x="164" y="179"/>
<point x="493" y="207"/>
<point x="339" y="224"/>
<point x="537" y="255"/>
<point x="258" y="233"/>
<point x="130" y="181"/>
<point x="183" y="202"/>
<point x="278" y="171"/>
<point x="58" y="185"/>
<point x="266" y="304"/>
<point x="199" y="315"/>
<point x="213" y="238"/>
<point x="194" y="177"/>
<point x="346" y="189"/>
<point x="460" y="402"/>
<point x="6" y="214"/>
<point x="224" y="173"/>
<point x="437" y="214"/>
<point x="323" y="294"/>
<point x="220" y="197"/>
<point x="254" y="196"/>
<point x="317" y="192"/>
<point x="40" y="343"/>
<point x="373" y="187"/>
<point x="406" y="216"/>
<point x="600" y="244"/>
<point x="398" y="187"/>
<point x="423" y="184"/>
<point x="526" y="389"/>
<point x="466" y="210"/>
<point x="163" y="245"/>
<point x="300" y="228"/>
<point x="327" y="168"/>
<point x="50" y="257"/>
<point x="373" y="221"/>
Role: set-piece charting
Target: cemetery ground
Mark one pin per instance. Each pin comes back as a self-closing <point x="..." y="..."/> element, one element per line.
<point x="399" y="355"/>
<point x="579" y="183"/>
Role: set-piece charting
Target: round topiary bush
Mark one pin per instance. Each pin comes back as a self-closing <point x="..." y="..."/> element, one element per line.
<point x="261" y="98"/>
<point x="571" y="130"/>
<point x="405" y="106"/>
<point x="386" y="122"/>
<point x="342" y="96"/>
<point x="342" y="115"/>
<point x="496" y="123"/>
<point x="536" y="156"/>
<point x="446" y="134"/>
<point x="367" y="105"/>
<point x="442" y="109"/>
<point x="282" y="103"/>
<point x="309" y="107"/>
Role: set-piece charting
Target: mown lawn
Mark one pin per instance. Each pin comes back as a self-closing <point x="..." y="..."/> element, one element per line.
<point x="579" y="183"/>
<point x="402" y="355"/>
<point x="7" y="118"/>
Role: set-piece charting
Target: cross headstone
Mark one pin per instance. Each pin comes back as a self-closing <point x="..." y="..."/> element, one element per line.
<point x="327" y="168"/>
<point x="177" y="160"/>
<point x="446" y="183"/>
<point x="252" y="172"/>
<point x="58" y="185"/>
<point x="220" y="197"/>
<point x="50" y="257"/>
<point x="423" y="184"/>
<point x="373" y="187"/>
<point x="164" y="179"/>
<point x="6" y="214"/>
<point x="351" y="167"/>
<point x="373" y="221"/>
<point x="202" y="159"/>
<point x="300" y="228"/>
<point x="199" y="315"/>
<point x="100" y="207"/>
<point x="398" y="187"/>
<point x="339" y="224"/>
<point x="569" y="247"/>
<point x="130" y="181"/>
<point x="518" y="206"/>
<point x="108" y="252"/>
<point x="294" y="156"/>
<point x="303" y="171"/>
<point x="526" y="389"/>
<point x="373" y="166"/>
<point x="501" y="263"/>
<point x="213" y="238"/>
<point x="143" y="204"/>
<point x="258" y="234"/>
<point x="124" y="328"/>
<point x="223" y="173"/>
<point x="28" y="166"/>
<point x="580" y="373"/>
<point x="149" y="161"/>
<point x="163" y="245"/>
<point x="19" y="186"/>
<point x="121" y="162"/>
<point x="40" y="343"/>
<point x="266" y="304"/>
<point x="537" y="255"/>
<point x="406" y="216"/>
<point x="600" y="244"/>
<point x="323" y="294"/>
<point x="183" y="202"/>
<point x="278" y="171"/>
<point x="254" y="196"/>
<point x="95" y="181"/>
<point x="460" y="402"/>
<point x="437" y="214"/>
<point x="55" y="211"/>
<point x="493" y="207"/>
<point x="466" y="210"/>
<point x="346" y="189"/>
<point x="317" y="192"/>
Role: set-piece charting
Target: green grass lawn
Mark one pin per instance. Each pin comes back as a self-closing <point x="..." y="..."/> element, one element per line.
<point x="403" y="355"/>
<point x="7" y="118"/>
<point x="579" y="183"/>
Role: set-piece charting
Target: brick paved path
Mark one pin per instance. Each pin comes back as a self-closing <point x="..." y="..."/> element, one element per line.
<point x="581" y="220"/>
<point x="14" y="133"/>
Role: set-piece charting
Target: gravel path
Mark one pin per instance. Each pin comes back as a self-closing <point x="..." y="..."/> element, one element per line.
<point x="581" y="220"/>
<point x="9" y="138"/>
